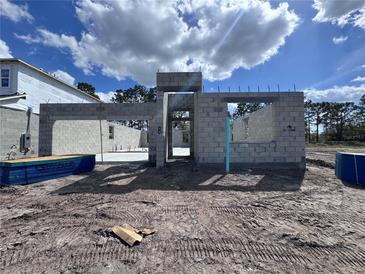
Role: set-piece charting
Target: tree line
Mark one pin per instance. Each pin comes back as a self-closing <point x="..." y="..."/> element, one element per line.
<point x="136" y="94"/>
<point x="333" y="121"/>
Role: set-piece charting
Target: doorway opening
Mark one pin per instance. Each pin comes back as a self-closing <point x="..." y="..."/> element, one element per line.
<point x="180" y="133"/>
<point x="181" y="139"/>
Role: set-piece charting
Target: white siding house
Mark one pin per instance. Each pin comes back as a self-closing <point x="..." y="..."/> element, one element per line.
<point x="27" y="86"/>
<point x="24" y="86"/>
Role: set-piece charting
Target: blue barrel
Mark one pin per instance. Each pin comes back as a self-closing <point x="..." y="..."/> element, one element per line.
<point x="350" y="168"/>
<point x="31" y="170"/>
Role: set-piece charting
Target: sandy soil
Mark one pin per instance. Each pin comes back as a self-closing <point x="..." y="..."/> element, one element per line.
<point x="248" y="222"/>
<point x="326" y="155"/>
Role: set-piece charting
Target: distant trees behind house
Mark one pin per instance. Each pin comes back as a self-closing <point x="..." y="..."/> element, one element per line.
<point x="246" y="108"/>
<point x="332" y="121"/>
<point x="136" y="94"/>
<point x="88" y="88"/>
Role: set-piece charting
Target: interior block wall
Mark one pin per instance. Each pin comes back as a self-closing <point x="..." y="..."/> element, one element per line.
<point x="258" y="128"/>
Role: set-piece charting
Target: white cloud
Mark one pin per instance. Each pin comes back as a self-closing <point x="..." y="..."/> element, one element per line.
<point x="363" y="66"/>
<point x="224" y="36"/>
<point x="4" y="50"/>
<point x="336" y="94"/>
<point x="14" y="12"/>
<point x="340" y="13"/>
<point x="339" y="40"/>
<point x="358" y="79"/>
<point x="105" y="96"/>
<point x="64" y="76"/>
<point x="28" y="38"/>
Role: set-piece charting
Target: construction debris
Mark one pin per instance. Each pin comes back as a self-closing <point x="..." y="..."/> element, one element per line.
<point x="131" y="235"/>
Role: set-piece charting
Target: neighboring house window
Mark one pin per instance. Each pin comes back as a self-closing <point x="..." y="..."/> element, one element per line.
<point x="111" y="132"/>
<point x="5" y="78"/>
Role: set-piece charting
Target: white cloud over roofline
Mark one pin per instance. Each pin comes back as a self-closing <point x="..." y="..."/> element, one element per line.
<point x="4" y="50"/>
<point x="134" y="39"/>
<point x="336" y="94"/>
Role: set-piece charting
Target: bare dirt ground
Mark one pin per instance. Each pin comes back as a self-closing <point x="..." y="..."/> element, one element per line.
<point x="326" y="155"/>
<point x="248" y="222"/>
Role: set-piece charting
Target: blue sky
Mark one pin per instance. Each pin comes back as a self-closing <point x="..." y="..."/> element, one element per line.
<point x="317" y="46"/>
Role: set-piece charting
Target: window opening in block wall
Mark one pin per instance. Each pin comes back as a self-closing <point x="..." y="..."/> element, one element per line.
<point x="251" y="122"/>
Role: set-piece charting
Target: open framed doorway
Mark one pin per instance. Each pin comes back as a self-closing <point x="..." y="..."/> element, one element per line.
<point x="180" y="139"/>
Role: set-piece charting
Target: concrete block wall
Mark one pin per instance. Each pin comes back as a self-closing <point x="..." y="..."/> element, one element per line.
<point x="13" y="123"/>
<point x="287" y="145"/>
<point x="179" y="81"/>
<point x="289" y="128"/>
<point x="253" y="152"/>
<point x="84" y="137"/>
<point x="50" y="113"/>
<point x="152" y="141"/>
<point x="180" y="101"/>
<point x="160" y="122"/>
<point x="212" y="113"/>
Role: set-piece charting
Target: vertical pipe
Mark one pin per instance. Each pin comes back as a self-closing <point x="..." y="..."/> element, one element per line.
<point x="228" y="126"/>
<point x="101" y="143"/>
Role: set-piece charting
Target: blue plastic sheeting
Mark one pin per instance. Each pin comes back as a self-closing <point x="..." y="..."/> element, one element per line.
<point x="350" y="168"/>
<point x="31" y="171"/>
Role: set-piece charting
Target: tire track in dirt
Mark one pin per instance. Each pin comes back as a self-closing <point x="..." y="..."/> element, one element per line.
<point x="197" y="248"/>
<point x="192" y="249"/>
<point x="12" y="257"/>
<point x="235" y="210"/>
<point x="353" y="221"/>
<point x="337" y="218"/>
<point x="343" y="256"/>
<point x="109" y="251"/>
<point x="180" y="209"/>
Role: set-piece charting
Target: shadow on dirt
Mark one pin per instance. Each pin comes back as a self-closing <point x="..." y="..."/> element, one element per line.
<point x="119" y="179"/>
